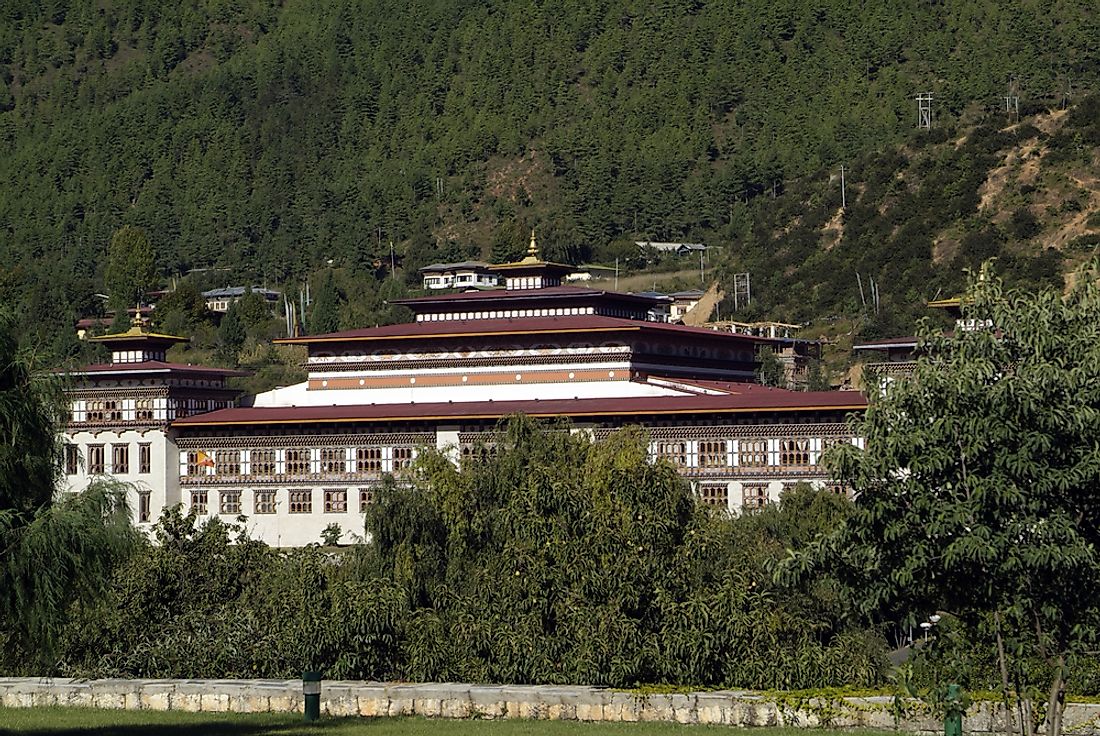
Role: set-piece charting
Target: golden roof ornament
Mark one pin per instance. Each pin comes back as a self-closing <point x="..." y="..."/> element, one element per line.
<point x="138" y="322"/>
<point x="532" y="248"/>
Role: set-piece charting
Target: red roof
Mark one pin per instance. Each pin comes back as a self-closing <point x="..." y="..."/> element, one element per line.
<point x="515" y="326"/>
<point x="156" y="366"/>
<point x="754" y="400"/>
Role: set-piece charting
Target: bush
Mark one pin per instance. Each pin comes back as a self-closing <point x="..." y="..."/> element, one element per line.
<point x="1023" y="224"/>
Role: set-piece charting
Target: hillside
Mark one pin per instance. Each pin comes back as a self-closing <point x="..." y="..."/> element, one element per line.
<point x="919" y="214"/>
<point x="270" y="137"/>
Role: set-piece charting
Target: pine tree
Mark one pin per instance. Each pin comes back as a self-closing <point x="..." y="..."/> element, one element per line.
<point x="231" y="333"/>
<point x="325" y="315"/>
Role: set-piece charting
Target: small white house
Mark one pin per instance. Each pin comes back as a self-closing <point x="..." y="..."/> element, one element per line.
<point x="680" y="249"/>
<point x="465" y="275"/>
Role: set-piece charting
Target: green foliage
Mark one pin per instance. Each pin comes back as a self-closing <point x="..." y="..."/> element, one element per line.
<point x="818" y="378"/>
<point x="131" y="269"/>
<point x="231" y="333"/>
<point x="50" y="553"/>
<point x="179" y="311"/>
<point x="546" y="557"/>
<point x="1024" y="225"/>
<point x="325" y="313"/>
<point x="330" y="535"/>
<point x="770" y="371"/>
<point x="271" y="137"/>
<point x="978" y="487"/>
<point x="30" y="417"/>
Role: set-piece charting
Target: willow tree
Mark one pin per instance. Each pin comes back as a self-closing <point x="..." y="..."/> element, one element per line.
<point x="979" y="488"/>
<point x="51" y="553"/>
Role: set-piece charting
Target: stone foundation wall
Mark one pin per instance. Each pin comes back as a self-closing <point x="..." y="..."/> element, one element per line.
<point x="450" y="700"/>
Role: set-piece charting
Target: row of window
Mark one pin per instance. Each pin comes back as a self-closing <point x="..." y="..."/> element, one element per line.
<point x="750" y="453"/>
<point x="753" y="495"/>
<point x="335" y="501"/>
<point x="506" y="314"/>
<point x="96" y="456"/>
<point x="370" y="461"/>
<point x="142" y="410"/>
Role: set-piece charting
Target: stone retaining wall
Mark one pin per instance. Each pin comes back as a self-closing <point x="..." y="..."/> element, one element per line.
<point x="450" y="700"/>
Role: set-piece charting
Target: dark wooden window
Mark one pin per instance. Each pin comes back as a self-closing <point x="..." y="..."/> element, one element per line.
<point x="230" y="502"/>
<point x="145" y="458"/>
<point x="301" y="502"/>
<point x="97" y="460"/>
<point x="336" y="501"/>
<point x="120" y="459"/>
<point x="144" y="506"/>
<point x="265" y="502"/>
<point x="72" y="460"/>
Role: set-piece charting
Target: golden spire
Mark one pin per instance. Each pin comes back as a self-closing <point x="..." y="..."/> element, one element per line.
<point x="138" y="322"/>
<point x="533" y="249"/>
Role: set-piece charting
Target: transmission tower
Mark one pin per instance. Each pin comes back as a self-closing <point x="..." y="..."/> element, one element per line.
<point x="924" y="111"/>
<point x="742" y="291"/>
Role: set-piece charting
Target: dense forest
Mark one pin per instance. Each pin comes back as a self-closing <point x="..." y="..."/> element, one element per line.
<point x="270" y="138"/>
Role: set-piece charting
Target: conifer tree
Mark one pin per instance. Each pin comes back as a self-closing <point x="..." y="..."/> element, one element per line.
<point x="325" y="315"/>
<point x="131" y="269"/>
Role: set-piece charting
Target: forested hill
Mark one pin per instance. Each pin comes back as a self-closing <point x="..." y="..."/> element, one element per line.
<point x="271" y="137"/>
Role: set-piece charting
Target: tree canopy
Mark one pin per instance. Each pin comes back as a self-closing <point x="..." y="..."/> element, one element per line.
<point x="271" y="137"/>
<point x="979" y="488"/>
<point x="131" y="268"/>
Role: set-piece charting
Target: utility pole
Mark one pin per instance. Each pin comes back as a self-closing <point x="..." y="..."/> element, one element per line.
<point x="393" y="267"/>
<point x="843" y="191"/>
<point x="1012" y="102"/>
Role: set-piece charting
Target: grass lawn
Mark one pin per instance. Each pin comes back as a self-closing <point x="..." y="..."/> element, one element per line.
<point x="85" y="721"/>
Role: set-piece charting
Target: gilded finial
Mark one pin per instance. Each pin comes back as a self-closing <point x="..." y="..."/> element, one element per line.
<point x="533" y="249"/>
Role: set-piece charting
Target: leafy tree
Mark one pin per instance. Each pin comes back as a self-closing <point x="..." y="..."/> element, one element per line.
<point x="232" y="333"/>
<point x="979" y="488"/>
<point x="50" y="553"/>
<point x="181" y="310"/>
<point x="253" y="310"/>
<point x="131" y="269"/>
<point x="770" y="371"/>
<point x="818" y="378"/>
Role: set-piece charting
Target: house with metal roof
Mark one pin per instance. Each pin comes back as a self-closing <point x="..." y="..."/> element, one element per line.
<point x="464" y="275"/>
<point x="220" y="300"/>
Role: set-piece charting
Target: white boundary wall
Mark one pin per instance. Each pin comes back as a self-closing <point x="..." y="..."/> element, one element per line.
<point x="533" y="702"/>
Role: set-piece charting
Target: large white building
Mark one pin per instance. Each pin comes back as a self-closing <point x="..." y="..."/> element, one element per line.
<point x="305" y="457"/>
<point x="120" y="414"/>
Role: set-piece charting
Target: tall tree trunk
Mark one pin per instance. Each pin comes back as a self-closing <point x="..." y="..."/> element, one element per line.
<point x="1010" y="726"/>
<point x="1023" y="703"/>
<point x="1057" y="698"/>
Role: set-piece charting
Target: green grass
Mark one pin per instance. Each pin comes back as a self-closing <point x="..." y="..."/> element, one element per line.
<point x="92" y="722"/>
